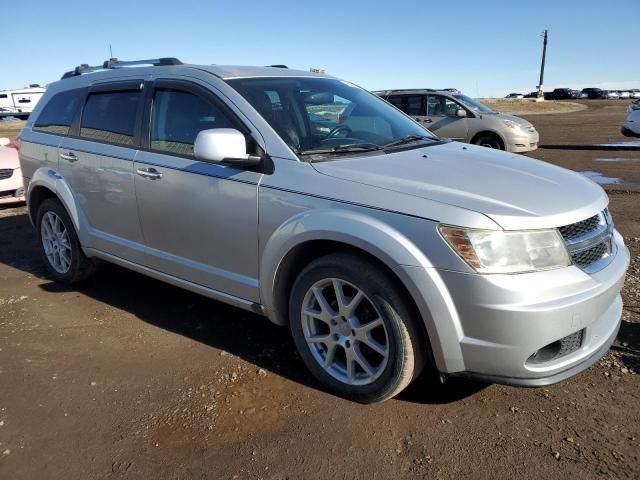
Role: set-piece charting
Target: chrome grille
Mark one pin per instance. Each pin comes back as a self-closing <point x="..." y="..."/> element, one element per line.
<point x="590" y="242"/>
<point x="578" y="229"/>
<point x="5" y="173"/>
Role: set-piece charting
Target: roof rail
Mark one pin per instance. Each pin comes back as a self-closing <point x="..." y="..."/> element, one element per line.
<point x="277" y="66"/>
<point x="115" y="63"/>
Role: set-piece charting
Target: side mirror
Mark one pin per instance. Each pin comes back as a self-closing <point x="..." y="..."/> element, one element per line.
<point x="223" y="145"/>
<point x="461" y="112"/>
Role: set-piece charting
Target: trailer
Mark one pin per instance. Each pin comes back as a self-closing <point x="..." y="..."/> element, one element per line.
<point x="20" y="102"/>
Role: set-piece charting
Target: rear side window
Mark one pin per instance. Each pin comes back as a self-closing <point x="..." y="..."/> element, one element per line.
<point x="395" y="100"/>
<point x="413" y="105"/>
<point x="59" y="112"/>
<point x="110" y="117"/>
<point x="178" y="116"/>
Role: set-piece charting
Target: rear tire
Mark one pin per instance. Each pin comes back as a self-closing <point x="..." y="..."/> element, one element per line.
<point x="59" y="244"/>
<point x="365" y="345"/>
<point x="489" y="141"/>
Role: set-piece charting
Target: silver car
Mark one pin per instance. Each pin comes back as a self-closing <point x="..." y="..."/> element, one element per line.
<point x="458" y="117"/>
<point x="385" y="249"/>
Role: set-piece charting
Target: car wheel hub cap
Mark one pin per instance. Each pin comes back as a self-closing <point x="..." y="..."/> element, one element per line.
<point x="345" y="332"/>
<point x="55" y="240"/>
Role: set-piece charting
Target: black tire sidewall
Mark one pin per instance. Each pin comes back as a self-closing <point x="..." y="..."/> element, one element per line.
<point x="388" y="301"/>
<point x="489" y="140"/>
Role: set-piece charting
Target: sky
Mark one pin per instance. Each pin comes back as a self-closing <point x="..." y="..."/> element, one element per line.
<point x="485" y="48"/>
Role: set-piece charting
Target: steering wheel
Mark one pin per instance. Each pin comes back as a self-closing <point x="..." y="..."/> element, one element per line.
<point x="336" y="130"/>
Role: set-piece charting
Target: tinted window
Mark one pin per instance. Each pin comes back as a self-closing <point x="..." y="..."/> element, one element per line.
<point x="110" y="117"/>
<point x="3" y="96"/>
<point x="178" y="116"/>
<point x="59" y="112"/>
<point x="395" y="100"/>
<point x="413" y="105"/>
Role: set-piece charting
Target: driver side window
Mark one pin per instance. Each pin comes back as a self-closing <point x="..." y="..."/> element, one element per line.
<point x="178" y="116"/>
<point x="439" y="106"/>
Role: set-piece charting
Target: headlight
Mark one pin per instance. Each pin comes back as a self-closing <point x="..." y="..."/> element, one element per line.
<point x="511" y="124"/>
<point x="497" y="251"/>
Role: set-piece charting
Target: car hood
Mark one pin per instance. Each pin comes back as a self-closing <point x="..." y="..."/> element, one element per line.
<point x="513" y="118"/>
<point x="514" y="191"/>
<point x="9" y="158"/>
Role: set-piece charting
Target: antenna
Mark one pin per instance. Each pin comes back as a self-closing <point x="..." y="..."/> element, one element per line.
<point x="110" y="52"/>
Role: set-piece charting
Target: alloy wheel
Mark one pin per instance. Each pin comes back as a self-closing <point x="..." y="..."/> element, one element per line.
<point x="55" y="240"/>
<point x="345" y="332"/>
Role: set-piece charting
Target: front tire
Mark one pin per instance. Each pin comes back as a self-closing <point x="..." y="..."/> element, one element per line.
<point x="489" y="141"/>
<point x="354" y="328"/>
<point x="59" y="244"/>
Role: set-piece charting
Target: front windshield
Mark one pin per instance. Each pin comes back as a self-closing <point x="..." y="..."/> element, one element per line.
<point x="474" y="104"/>
<point x="325" y="116"/>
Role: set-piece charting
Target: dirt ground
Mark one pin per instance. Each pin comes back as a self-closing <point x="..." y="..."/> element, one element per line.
<point x="127" y="377"/>
<point x="528" y="106"/>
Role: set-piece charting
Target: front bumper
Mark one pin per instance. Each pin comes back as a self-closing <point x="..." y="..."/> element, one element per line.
<point x="519" y="141"/>
<point x="504" y="320"/>
<point x="630" y="129"/>
<point x="11" y="189"/>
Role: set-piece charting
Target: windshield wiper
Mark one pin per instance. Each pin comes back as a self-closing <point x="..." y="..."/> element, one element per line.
<point x="406" y="139"/>
<point x="351" y="147"/>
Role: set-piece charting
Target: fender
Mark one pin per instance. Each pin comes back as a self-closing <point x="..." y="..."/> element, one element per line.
<point x="390" y="247"/>
<point x="52" y="180"/>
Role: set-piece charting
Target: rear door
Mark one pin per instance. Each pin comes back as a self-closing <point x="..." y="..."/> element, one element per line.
<point x="96" y="160"/>
<point x="442" y="120"/>
<point x="199" y="219"/>
<point x="411" y="104"/>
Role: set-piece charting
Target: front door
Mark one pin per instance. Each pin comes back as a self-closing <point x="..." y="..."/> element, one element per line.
<point x="199" y="219"/>
<point x="442" y="120"/>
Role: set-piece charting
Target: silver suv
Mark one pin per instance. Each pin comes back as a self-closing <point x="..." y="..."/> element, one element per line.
<point x="313" y="202"/>
<point x="454" y="115"/>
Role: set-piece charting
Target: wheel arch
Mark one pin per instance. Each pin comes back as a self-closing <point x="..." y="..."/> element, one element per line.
<point x="309" y="236"/>
<point x="492" y="133"/>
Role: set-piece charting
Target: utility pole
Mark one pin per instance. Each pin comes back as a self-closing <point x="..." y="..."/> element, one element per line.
<point x="544" y="55"/>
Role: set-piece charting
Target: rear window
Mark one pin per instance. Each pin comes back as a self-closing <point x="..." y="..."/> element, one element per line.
<point x="110" y="117"/>
<point x="59" y="112"/>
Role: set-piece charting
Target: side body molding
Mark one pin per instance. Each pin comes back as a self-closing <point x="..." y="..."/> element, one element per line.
<point x="389" y="246"/>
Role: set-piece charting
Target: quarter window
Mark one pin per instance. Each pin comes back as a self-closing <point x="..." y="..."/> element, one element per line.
<point x="59" y="112"/>
<point x="110" y="117"/>
<point x="178" y="116"/>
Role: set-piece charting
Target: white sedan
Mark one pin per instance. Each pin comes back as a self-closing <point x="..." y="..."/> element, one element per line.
<point x="631" y="126"/>
<point x="11" y="189"/>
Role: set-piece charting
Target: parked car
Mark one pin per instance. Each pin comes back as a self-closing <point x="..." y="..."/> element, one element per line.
<point x="561" y="94"/>
<point x="384" y="248"/>
<point x="612" y="95"/>
<point x="595" y="93"/>
<point x="579" y="94"/>
<point x="461" y="118"/>
<point x="623" y="94"/>
<point x="531" y="95"/>
<point x="515" y="95"/>
<point x="11" y="189"/>
<point x="635" y="93"/>
<point x="631" y="126"/>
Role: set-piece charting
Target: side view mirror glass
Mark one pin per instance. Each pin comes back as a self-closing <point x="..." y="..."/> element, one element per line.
<point x="223" y="145"/>
<point x="461" y="112"/>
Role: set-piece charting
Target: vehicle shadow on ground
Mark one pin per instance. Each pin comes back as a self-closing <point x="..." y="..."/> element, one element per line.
<point x="246" y="335"/>
<point x="629" y="342"/>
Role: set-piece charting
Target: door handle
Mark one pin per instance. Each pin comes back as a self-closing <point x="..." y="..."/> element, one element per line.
<point x="427" y="120"/>
<point x="151" y="173"/>
<point x="70" y="156"/>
